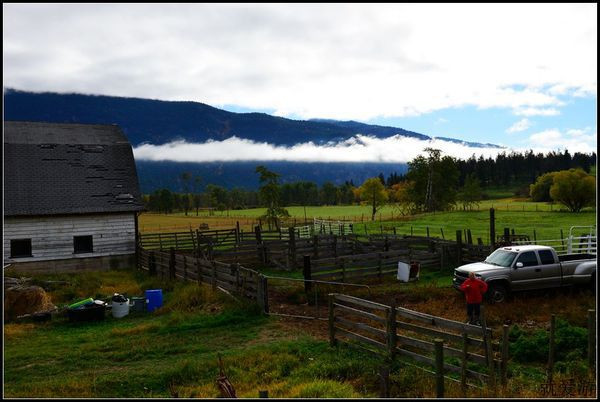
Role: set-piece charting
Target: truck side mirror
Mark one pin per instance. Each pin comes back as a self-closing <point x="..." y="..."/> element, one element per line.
<point x="519" y="265"/>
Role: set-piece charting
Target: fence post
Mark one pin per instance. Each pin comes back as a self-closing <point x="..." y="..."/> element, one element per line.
<point x="591" y="339"/>
<point x="197" y="242"/>
<point x="439" y="367"/>
<point x="488" y="351"/>
<point x="236" y="267"/>
<point x="469" y="237"/>
<point x="427" y="231"/>
<point x="507" y="234"/>
<point x="391" y="330"/>
<point x="172" y="263"/>
<point x="262" y="293"/>
<point x="492" y="227"/>
<point x="152" y="263"/>
<point x="459" y="246"/>
<point x="551" y="348"/>
<point x="184" y="268"/>
<point x="237" y="233"/>
<point x="198" y="270"/>
<point x="306" y="272"/>
<point x="259" y="244"/>
<point x="331" y="320"/>
<point x="292" y="247"/>
<point x="504" y="363"/>
<point x="463" y="366"/>
<point x="214" y="275"/>
<point x="384" y="376"/>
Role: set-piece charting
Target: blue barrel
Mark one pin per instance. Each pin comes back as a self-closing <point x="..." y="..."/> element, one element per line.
<point x="153" y="299"/>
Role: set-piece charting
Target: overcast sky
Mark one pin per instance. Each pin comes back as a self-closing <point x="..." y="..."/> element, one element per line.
<point x="522" y="76"/>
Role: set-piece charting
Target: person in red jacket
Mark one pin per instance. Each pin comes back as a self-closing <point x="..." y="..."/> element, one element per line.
<point x="473" y="289"/>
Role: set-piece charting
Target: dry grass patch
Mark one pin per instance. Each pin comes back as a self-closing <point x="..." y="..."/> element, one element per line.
<point x="13" y="331"/>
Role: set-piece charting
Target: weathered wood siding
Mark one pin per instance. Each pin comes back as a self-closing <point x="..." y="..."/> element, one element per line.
<point x="52" y="236"/>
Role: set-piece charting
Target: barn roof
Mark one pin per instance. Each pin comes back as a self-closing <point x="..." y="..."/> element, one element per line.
<point x="52" y="169"/>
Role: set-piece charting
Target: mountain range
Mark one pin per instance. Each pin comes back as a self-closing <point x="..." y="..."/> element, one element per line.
<point x="160" y="122"/>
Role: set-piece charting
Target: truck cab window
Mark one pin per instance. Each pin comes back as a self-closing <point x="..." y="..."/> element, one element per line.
<point x="528" y="259"/>
<point x="546" y="257"/>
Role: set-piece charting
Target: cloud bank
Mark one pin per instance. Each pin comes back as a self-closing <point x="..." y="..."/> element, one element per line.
<point x="575" y="140"/>
<point x="359" y="148"/>
<point x="339" y="61"/>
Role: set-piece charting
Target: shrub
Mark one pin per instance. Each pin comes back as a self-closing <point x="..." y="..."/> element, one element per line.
<point x="570" y="343"/>
<point x="529" y="348"/>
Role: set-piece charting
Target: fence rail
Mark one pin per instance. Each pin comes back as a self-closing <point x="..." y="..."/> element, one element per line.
<point x="232" y="278"/>
<point x="396" y="331"/>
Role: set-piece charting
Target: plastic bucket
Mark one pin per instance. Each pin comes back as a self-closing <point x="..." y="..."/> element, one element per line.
<point x="91" y="312"/>
<point x="154" y="299"/>
<point x="120" y="309"/>
<point x="138" y="304"/>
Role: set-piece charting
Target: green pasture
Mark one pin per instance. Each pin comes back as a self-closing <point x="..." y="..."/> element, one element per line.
<point x="525" y="217"/>
<point x="547" y="225"/>
<point x="387" y="212"/>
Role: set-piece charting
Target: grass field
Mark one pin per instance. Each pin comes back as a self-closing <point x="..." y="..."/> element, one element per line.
<point x="174" y="351"/>
<point x="523" y="216"/>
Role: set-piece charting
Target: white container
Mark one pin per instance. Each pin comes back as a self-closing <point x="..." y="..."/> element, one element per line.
<point x="120" y="309"/>
<point x="403" y="271"/>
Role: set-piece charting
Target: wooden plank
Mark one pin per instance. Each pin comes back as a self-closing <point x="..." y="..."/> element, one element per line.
<point x="360" y="338"/>
<point x="337" y="276"/>
<point x="450" y="367"/>
<point x="361" y="302"/>
<point x="360" y="313"/>
<point x="361" y="326"/>
<point x="436" y="333"/>
<point x="439" y="322"/>
<point x="448" y="351"/>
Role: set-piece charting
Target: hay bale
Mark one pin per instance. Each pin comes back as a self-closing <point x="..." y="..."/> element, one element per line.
<point x="21" y="300"/>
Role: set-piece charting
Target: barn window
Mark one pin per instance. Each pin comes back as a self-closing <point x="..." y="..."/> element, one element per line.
<point x="20" y="248"/>
<point x="83" y="244"/>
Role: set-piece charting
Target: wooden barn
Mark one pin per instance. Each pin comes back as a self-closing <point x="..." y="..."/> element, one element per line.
<point x="71" y="197"/>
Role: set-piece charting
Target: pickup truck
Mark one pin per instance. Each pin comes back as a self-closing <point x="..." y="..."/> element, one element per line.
<point x="517" y="268"/>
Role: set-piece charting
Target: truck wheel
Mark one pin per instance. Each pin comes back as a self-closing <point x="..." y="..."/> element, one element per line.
<point x="497" y="293"/>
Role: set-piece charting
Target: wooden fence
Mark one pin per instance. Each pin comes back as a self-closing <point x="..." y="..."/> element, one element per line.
<point x="350" y="268"/>
<point x="232" y="278"/>
<point x="427" y="339"/>
<point x="289" y="254"/>
<point x="288" y="250"/>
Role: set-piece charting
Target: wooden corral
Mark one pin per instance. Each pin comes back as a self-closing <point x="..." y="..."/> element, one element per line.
<point x="423" y="338"/>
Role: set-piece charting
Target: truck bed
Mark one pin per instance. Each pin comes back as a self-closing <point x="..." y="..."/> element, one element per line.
<point x="574" y="257"/>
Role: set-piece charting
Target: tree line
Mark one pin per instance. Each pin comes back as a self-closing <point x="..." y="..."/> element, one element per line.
<point x="432" y="183"/>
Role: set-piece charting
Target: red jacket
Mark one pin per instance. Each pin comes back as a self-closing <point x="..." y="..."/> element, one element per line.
<point x="474" y="290"/>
